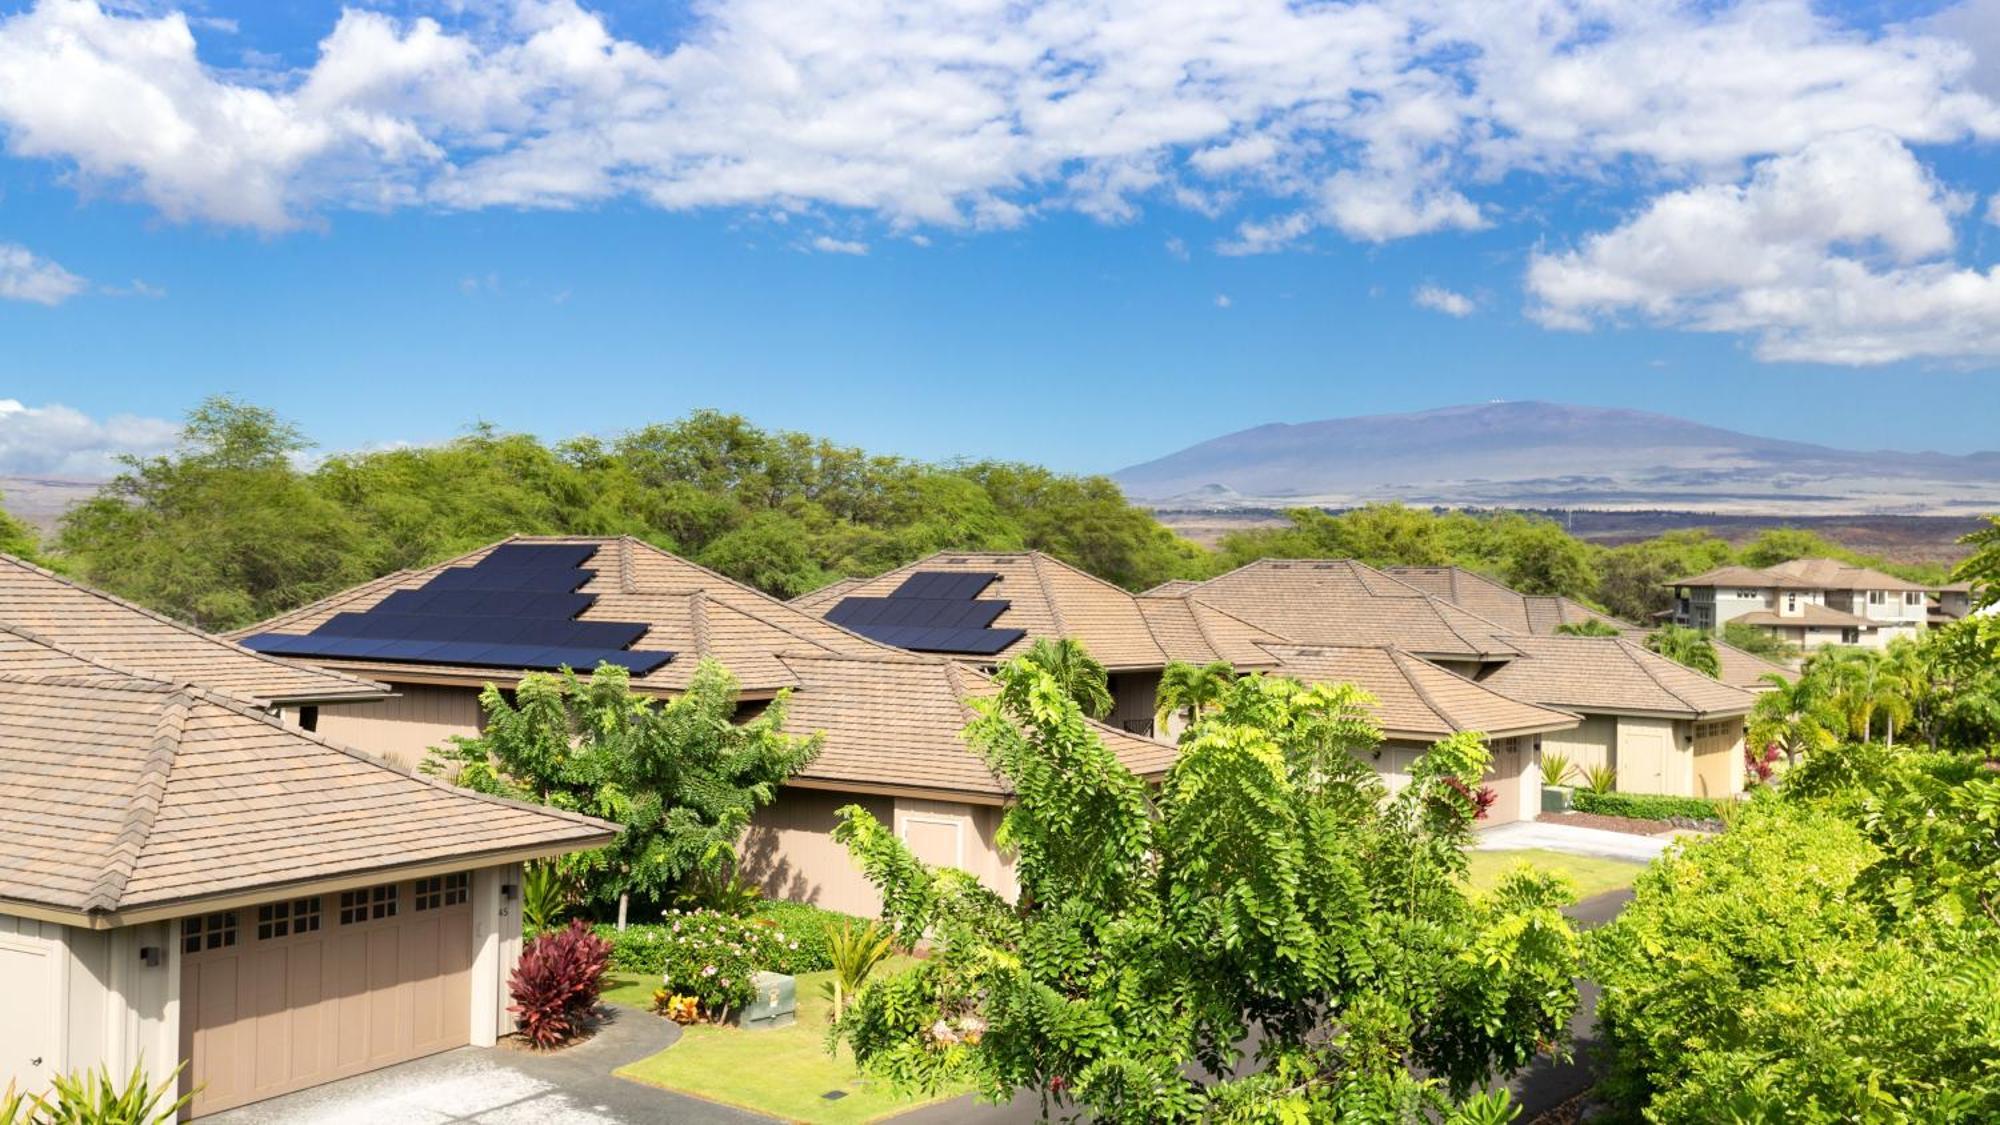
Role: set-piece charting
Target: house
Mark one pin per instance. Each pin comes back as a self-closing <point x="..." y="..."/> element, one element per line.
<point x="1418" y="703"/>
<point x="1626" y="719"/>
<point x="1806" y="602"/>
<point x="1953" y="602"/>
<point x="1024" y="596"/>
<point x="889" y="720"/>
<point x="1665" y="729"/>
<point x="186" y="877"/>
<point x="1544" y="615"/>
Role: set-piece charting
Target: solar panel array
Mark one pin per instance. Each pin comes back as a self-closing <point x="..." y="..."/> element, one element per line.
<point x="932" y="611"/>
<point x="515" y="608"/>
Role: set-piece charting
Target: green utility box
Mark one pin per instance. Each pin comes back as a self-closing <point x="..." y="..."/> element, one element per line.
<point x="1555" y="798"/>
<point x="775" y="1005"/>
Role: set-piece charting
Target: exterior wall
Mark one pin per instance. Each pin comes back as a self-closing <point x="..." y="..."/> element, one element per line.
<point x="961" y="835"/>
<point x="1648" y="757"/>
<point x="403" y="728"/>
<point x="88" y="1001"/>
<point x="1592" y="742"/>
<point x="1670" y="757"/>
<point x="1718" y="757"/>
<point x="1514" y="777"/>
<point x="1134" y="696"/>
<point x="789" y="851"/>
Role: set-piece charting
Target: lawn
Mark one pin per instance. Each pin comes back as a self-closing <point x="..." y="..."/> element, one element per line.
<point x="784" y="1072"/>
<point x="1591" y="874"/>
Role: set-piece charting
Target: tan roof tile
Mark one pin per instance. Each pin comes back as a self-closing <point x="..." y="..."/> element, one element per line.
<point x="1501" y="604"/>
<point x="1747" y="671"/>
<point x="127" y="792"/>
<point x="1811" y="613"/>
<point x="1832" y="574"/>
<point x="1611" y="675"/>
<point x="1416" y="699"/>
<point x="1749" y="578"/>
<point x="1342" y="602"/>
<point x="96" y="624"/>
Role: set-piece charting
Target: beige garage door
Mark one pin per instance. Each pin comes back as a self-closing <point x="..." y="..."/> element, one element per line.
<point x="1718" y="762"/>
<point x="290" y="994"/>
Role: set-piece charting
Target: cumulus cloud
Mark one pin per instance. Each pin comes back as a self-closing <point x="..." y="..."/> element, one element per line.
<point x="59" y="441"/>
<point x="25" y="277"/>
<point x="826" y="244"/>
<point x="1839" y="253"/>
<point x="1439" y="299"/>
<point x="1379" y="119"/>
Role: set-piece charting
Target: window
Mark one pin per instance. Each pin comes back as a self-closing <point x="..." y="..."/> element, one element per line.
<point x="1912" y="597"/>
<point x="208" y="931"/>
<point x="442" y="890"/>
<point x="368" y="904"/>
<point x="282" y="919"/>
<point x="1791" y="603"/>
<point x="1876" y="597"/>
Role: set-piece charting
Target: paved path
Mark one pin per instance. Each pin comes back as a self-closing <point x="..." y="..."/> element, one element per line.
<point x="505" y="1086"/>
<point x="1523" y="834"/>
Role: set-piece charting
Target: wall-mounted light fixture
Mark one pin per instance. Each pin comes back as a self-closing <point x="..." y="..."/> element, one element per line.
<point x="152" y="956"/>
<point x="508" y="891"/>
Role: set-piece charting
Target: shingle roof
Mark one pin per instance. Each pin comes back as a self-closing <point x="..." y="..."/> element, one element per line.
<point x="1416" y="699"/>
<point x="1049" y="598"/>
<point x="1810" y="613"/>
<point x="899" y="724"/>
<point x="1611" y="675"/>
<point x="127" y="792"/>
<point x="99" y="625"/>
<point x="688" y="610"/>
<point x="1832" y="574"/>
<point x="1171" y="586"/>
<point x="1341" y="602"/>
<point x="1750" y="578"/>
<point x="1747" y="670"/>
<point x="1501" y="604"/>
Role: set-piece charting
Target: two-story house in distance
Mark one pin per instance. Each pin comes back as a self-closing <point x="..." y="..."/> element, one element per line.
<point x="1806" y="602"/>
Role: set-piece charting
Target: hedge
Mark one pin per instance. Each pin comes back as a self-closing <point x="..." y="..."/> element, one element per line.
<point x="1644" y="806"/>
<point x="786" y="937"/>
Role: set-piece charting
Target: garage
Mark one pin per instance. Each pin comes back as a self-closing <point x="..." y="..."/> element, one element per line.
<point x="1718" y="758"/>
<point x="289" y="994"/>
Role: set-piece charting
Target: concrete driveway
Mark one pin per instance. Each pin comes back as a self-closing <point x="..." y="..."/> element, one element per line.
<point x="1524" y="834"/>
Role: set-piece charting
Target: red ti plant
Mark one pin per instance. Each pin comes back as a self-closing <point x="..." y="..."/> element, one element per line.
<point x="556" y="984"/>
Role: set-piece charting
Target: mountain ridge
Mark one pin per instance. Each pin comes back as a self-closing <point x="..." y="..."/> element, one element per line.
<point x="1544" y="454"/>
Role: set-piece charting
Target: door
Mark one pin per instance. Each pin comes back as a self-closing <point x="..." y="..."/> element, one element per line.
<point x="1718" y="758"/>
<point x="290" y="994"/>
<point x="1503" y="776"/>
<point x="31" y="986"/>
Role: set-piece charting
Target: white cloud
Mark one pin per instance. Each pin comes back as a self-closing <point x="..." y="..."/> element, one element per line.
<point x="1837" y="254"/>
<point x="1380" y="119"/>
<point x="1266" y="237"/>
<point x="25" y="277"/>
<point x="1439" y="299"/>
<point x="1222" y="301"/>
<point x="58" y="441"/>
<point x="138" y="288"/>
<point x="828" y="245"/>
<point x="1177" y="248"/>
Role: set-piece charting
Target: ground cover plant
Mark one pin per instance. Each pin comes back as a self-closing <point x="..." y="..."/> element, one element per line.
<point x="1272" y="885"/>
<point x="1645" y="806"/>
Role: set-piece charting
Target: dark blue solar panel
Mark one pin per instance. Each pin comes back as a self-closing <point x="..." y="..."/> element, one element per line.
<point x="538" y="579"/>
<point x="558" y="632"/>
<point x="548" y="556"/>
<point x="485" y="603"/>
<point x="956" y="585"/>
<point x="932" y="611"/>
<point x="860" y="613"/>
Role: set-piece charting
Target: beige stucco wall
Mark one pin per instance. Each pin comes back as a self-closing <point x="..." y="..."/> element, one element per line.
<point x="789" y="850"/>
<point x="1589" y="743"/>
<point x="402" y="728"/>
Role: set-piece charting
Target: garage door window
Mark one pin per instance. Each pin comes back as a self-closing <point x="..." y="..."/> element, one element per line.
<point x="208" y="931"/>
<point x="371" y="904"/>
<point x="440" y="891"/>
<point x="282" y="919"/>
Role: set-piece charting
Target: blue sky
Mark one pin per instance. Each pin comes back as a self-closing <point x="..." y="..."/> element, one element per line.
<point x="560" y="220"/>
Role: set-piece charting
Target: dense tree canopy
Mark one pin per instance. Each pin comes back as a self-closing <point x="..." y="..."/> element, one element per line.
<point x="1272" y="893"/>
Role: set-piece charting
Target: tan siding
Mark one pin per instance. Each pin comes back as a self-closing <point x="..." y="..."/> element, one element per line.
<point x="404" y="728"/>
<point x="1650" y="758"/>
<point x="1589" y="744"/>
<point x="1718" y="758"/>
<point x="789" y="851"/>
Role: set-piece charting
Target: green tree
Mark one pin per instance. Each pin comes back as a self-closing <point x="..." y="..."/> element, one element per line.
<point x="1757" y="642"/>
<point x="1632" y="579"/>
<point x="1544" y="559"/>
<point x="1189" y="689"/>
<point x="1078" y="673"/>
<point x="1688" y="647"/>
<point x="1795" y="716"/>
<point x="681" y="775"/>
<point x="1982" y="567"/>
<point x="16" y="538"/>
<point x="221" y="532"/>
<point x="1273" y="892"/>
<point x="1589" y="627"/>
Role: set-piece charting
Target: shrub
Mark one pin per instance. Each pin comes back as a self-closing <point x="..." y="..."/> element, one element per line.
<point x="807" y="924"/>
<point x="1600" y="778"/>
<point x="708" y="955"/>
<point x="789" y="936"/>
<point x="1556" y="766"/>
<point x="857" y="950"/>
<point x="556" y="984"/>
<point x="92" y="1098"/>
<point x="1645" y="806"/>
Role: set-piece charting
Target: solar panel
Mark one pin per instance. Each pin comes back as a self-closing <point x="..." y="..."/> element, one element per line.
<point x="560" y="632"/>
<point x="540" y="579"/>
<point x="956" y="585"/>
<point x="485" y="603"/>
<point x="551" y="556"/>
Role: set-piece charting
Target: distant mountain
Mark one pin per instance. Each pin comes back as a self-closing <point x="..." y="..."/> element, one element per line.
<point x="1551" y="455"/>
<point x="41" y="501"/>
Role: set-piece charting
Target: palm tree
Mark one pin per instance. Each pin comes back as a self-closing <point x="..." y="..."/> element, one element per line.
<point x="1795" y="716"/>
<point x="1861" y="688"/>
<point x="1688" y="647"/>
<point x="1077" y="672"/>
<point x="1191" y="689"/>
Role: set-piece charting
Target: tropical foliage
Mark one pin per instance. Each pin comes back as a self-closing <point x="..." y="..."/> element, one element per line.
<point x="1077" y="672"/>
<point x="709" y="956"/>
<point x="556" y="984"/>
<point x="680" y="775"/>
<point x="1833" y="957"/>
<point x="1688" y="647"/>
<point x="1942" y="690"/>
<point x="95" y="1098"/>
<point x="1271" y="892"/>
<point x="1588" y="627"/>
<point x="856" y="952"/>
<point x="1187" y="690"/>
<point x="1982" y="569"/>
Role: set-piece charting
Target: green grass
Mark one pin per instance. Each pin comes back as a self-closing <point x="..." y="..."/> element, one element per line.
<point x="1591" y="874"/>
<point x="781" y="1072"/>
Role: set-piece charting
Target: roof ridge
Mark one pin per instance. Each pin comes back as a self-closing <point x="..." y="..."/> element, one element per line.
<point x="1430" y="701"/>
<point x="1194" y="609"/>
<point x="1146" y="623"/>
<point x="1645" y="666"/>
<point x="51" y="643"/>
<point x="151" y="791"/>
<point x="1049" y="594"/>
<point x="698" y="623"/>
